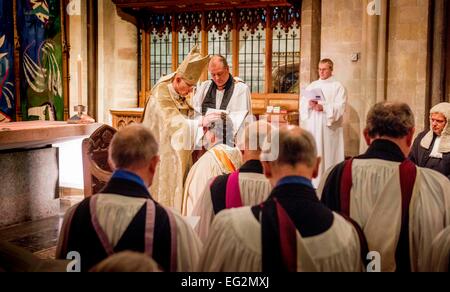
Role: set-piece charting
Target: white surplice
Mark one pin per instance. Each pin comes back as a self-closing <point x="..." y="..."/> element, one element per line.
<point x="116" y="212"/>
<point x="234" y="245"/>
<point x="207" y="167"/>
<point x="240" y="99"/>
<point x="375" y="204"/>
<point x="326" y="126"/>
<point x="439" y="258"/>
<point x="254" y="188"/>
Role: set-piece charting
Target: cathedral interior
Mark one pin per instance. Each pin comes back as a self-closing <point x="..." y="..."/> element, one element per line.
<point x="106" y="55"/>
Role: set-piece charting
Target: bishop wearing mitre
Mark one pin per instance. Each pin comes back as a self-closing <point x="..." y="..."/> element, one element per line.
<point x="170" y="118"/>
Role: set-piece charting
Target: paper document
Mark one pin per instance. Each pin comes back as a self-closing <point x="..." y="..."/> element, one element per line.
<point x="314" y="94"/>
<point x="237" y="117"/>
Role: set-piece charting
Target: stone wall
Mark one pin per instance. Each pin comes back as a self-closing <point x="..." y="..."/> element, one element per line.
<point x="399" y="75"/>
<point x="342" y="23"/>
<point x="310" y="41"/>
<point x="117" y="51"/>
<point x="407" y="55"/>
<point x="392" y="50"/>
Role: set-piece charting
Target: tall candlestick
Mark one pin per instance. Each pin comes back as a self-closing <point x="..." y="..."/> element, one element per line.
<point x="80" y="79"/>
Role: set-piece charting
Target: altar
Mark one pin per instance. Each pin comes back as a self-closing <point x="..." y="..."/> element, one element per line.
<point x="29" y="168"/>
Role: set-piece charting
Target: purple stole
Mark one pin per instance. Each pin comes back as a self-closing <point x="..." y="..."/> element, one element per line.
<point x="408" y="173"/>
<point x="233" y="192"/>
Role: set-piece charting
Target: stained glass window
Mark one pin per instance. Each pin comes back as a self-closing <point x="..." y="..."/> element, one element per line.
<point x="286" y="50"/>
<point x="189" y="33"/>
<point x="160" y="55"/>
<point x="219" y="25"/>
<point x="252" y="46"/>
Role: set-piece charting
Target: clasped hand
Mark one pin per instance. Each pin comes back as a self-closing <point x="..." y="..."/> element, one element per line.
<point x="207" y="119"/>
<point x="314" y="105"/>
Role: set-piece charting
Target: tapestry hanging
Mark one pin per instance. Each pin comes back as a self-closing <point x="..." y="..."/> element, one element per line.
<point x="7" y="87"/>
<point x="39" y="30"/>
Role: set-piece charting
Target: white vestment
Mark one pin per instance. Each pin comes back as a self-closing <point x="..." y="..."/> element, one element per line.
<point x="375" y="204"/>
<point x="240" y="99"/>
<point x="254" y="189"/>
<point x="220" y="159"/>
<point x="234" y="245"/>
<point x="326" y="126"/>
<point x="439" y="258"/>
<point x="116" y="212"/>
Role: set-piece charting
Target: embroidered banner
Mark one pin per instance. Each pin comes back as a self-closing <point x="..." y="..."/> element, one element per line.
<point x="7" y="89"/>
<point x="39" y="29"/>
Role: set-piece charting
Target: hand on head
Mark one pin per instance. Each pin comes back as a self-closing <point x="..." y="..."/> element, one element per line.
<point x="207" y="119"/>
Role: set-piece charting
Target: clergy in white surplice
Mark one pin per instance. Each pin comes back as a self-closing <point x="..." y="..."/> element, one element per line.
<point x="291" y="231"/>
<point x="439" y="258"/>
<point x="221" y="158"/>
<point x="222" y="92"/>
<point x="322" y="107"/>
<point x="400" y="207"/>
<point x="124" y="215"/>
<point x="244" y="187"/>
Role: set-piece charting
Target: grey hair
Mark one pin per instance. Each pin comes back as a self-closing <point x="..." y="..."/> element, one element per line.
<point x="394" y="120"/>
<point x="223" y="130"/>
<point x="295" y="146"/>
<point x="133" y="145"/>
<point x="254" y="136"/>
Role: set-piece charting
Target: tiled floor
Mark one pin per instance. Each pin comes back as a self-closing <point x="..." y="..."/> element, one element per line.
<point x="39" y="237"/>
<point x="36" y="236"/>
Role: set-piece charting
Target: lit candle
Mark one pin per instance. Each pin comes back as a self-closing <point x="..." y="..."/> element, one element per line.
<point x="80" y="83"/>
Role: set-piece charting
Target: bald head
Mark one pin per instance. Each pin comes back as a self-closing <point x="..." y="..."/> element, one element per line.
<point x="132" y="147"/>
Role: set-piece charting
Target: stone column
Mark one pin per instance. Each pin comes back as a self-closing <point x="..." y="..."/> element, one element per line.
<point x="374" y="60"/>
<point x="310" y="40"/>
<point x="447" y="54"/>
<point x="92" y="50"/>
<point x="438" y="53"/>
<point x="117" y="61"/>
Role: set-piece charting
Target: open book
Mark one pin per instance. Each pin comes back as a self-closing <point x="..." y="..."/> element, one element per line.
<point x="238" y="118"/>
<point x="313" y="94"/>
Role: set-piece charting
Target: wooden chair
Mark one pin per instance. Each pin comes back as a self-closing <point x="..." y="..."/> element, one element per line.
<point x="96" y="170"/>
